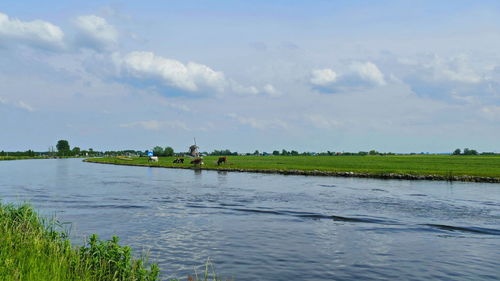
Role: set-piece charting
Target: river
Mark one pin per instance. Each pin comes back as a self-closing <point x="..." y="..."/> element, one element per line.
<point x="272" y="227"/>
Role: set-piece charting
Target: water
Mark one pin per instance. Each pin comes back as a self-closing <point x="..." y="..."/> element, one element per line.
<point x="272" y="227"/>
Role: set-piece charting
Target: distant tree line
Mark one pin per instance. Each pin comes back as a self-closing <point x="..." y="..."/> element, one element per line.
<point x="224" y="152"/>
<point x="64" y="150"/>
<point x="160" y="151"/>
<point x="466" y="151"/>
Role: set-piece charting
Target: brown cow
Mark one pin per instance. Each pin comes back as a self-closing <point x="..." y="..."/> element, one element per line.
<point x="222" y="160"/>
<point x="197" y="161"/>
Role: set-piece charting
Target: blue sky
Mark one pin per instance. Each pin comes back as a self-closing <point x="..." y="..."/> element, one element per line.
<point x="400" y="76"/>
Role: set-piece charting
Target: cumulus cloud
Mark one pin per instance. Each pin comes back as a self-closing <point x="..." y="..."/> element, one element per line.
<point x="453" y="79"/>
<point x="190" y="77"/>
<point x="156" y="125"/>
<point x="434" y="67"/>
<point x="357" y="76"/>
<point x="368" y="72"/>
<point x="323" y="77"/>
<point x="270" y="90"/>
<point x="37" y="33"/>
<point x="96" y="33"/>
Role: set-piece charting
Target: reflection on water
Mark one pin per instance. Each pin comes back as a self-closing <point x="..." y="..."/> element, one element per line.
<point x="272" y="227"/>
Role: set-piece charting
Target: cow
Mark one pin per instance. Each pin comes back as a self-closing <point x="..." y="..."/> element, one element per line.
<point x="153" y="159"/>
<point x="178" y="160"/>
<point x="197" y="161"/>
<point x="221" y="160"/>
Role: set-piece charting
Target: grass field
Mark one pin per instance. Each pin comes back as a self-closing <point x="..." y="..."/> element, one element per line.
<point x="440" y="165"/>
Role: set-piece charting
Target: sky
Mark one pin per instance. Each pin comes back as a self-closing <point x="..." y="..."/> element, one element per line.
<point x="394" y="76"/>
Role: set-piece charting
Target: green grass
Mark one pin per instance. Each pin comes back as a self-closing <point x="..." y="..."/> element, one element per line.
<point x="32" y="249"/>
<point x="441" y="165"/>
<point x="19" y="157"/>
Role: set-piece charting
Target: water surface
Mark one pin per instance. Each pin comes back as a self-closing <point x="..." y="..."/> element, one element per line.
<point x="272" y="227"/>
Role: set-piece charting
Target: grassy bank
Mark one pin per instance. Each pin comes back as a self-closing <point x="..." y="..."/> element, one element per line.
<point x="20" y="157"/>
<point x="35" y="157"/>
<point x="31" y="249"/>
<point x="431" y="167"/>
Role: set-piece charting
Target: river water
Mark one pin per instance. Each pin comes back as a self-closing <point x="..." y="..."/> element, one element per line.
<point x="272" y="227"/>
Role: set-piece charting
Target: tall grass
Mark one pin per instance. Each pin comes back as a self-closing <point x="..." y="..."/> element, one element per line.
<point x="32" y="249"/>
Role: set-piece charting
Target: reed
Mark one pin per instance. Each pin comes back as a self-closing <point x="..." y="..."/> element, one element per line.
<point x="32" y="248"/>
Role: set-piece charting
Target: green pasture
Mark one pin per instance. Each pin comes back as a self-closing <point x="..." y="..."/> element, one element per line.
<point x="444" y="165"/>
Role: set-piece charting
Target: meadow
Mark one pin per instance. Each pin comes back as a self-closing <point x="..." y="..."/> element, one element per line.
<point x="445" y="166"/>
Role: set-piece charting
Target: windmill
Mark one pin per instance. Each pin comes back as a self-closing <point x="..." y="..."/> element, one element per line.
<point x="193" y="150"/>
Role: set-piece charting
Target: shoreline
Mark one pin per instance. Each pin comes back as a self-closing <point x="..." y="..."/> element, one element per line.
<point x="387" y="176"/>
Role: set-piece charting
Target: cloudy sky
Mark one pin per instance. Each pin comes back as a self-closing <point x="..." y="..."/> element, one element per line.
<point x="399" y="76"/>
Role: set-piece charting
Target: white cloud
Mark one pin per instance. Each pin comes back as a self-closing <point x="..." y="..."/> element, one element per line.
<point x="454" y="69"/>
<point x="368" y="72"/>
<point x="35" y="33"/>
<point x="357" y="76"/>
<point x="3" y="101"/>
<point x="323" y="77"/>
<point x="455" y="79"/>
<point x="156" y="125"/>
<point x="191" y="77"/>
<point x="270" y="90"/>
<point x="96" y="33"/>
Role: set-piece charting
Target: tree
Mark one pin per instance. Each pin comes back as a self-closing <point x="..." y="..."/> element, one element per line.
<point x="294" y="153"/>
<point x="168" y="151"/>
<point x="284" y="152"/>
<point x="457" y="151"/>
<point x="256" y="152"/>
<point x="276" y="152"/>
<point x="76" y="150"/>
<point x="158" y="151"/>
<point x="63" y="147"/>
<point x="470" y="151"/>
<point x="373" y="152"/>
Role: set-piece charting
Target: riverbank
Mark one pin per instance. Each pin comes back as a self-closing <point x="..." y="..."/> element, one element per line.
<point x="7" y="158"/>
<point x="407" y="167"/>
<point x="32" y="248"/>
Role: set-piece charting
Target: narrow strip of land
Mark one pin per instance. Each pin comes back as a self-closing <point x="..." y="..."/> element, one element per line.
<point x="411" y="167"/>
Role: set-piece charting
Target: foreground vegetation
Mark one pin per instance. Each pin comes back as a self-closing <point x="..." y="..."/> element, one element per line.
<point x="32" y="249"/>
<point x="442" y="166"/>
